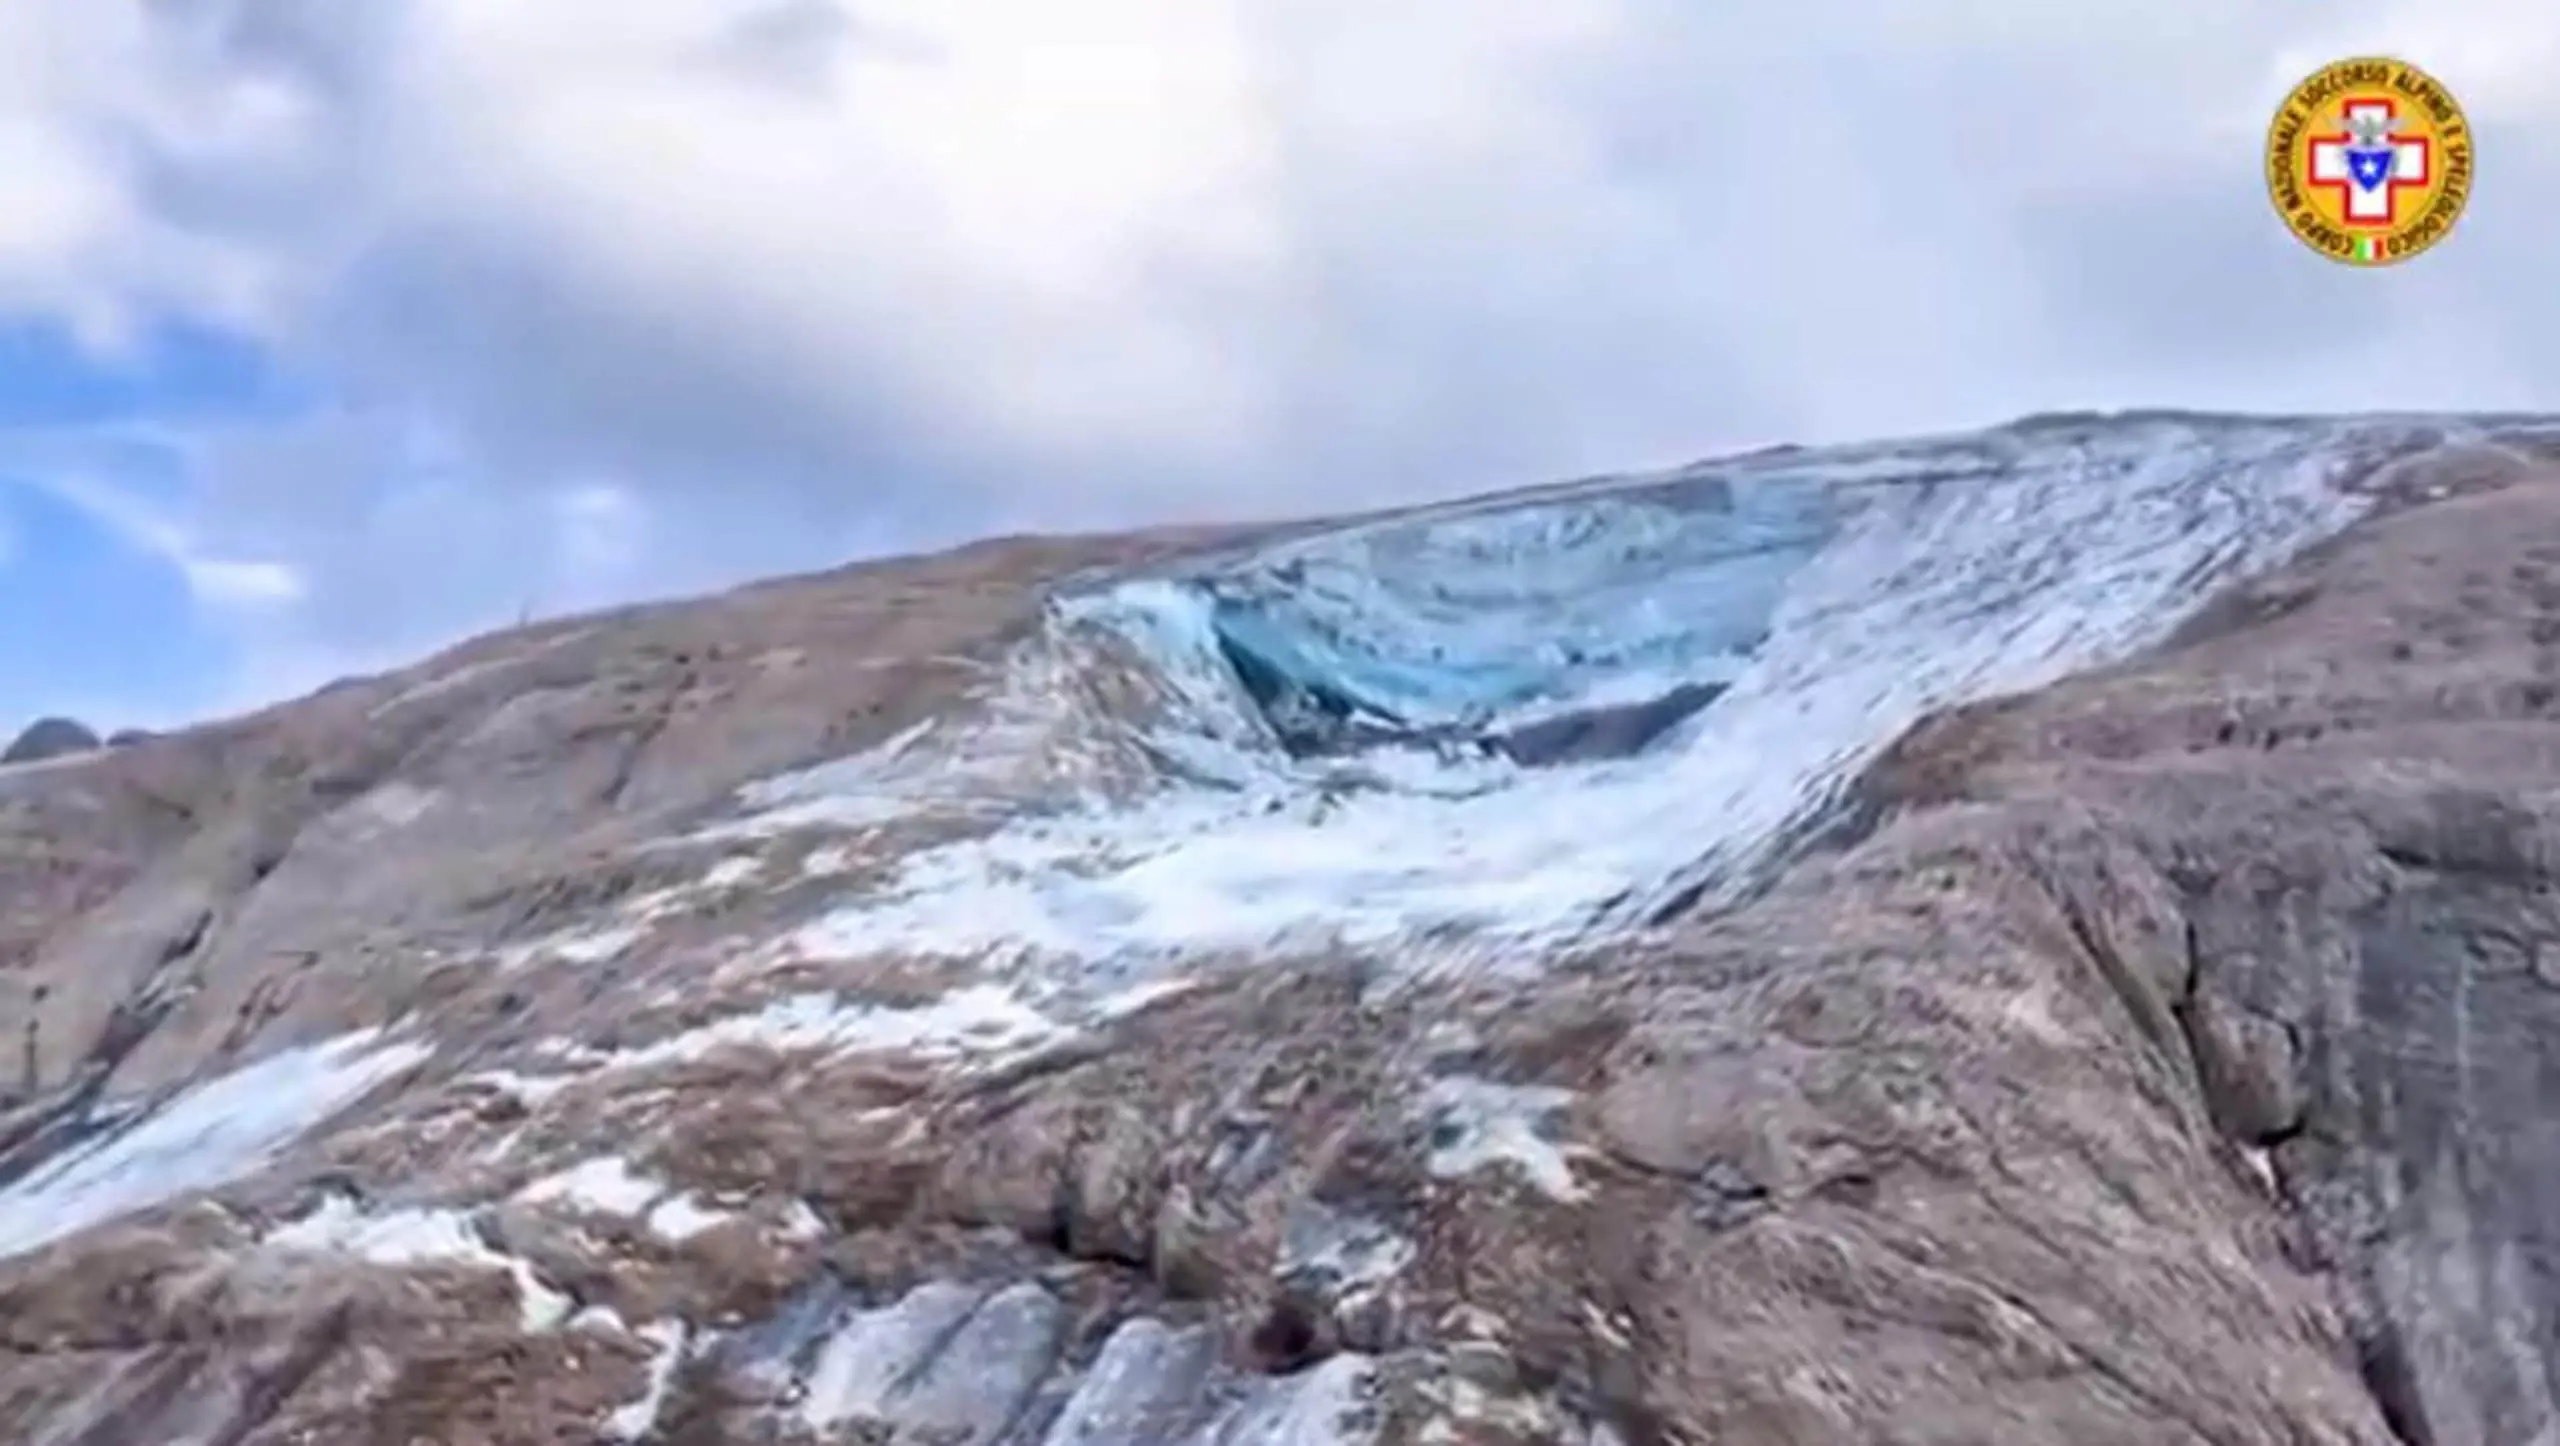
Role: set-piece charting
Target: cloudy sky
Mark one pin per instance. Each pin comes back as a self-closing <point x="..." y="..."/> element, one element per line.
<point x="330" y="332"/>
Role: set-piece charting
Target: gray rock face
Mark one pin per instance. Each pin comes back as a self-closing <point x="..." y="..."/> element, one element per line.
<point x="2347" y="865"/>
<point x="48" y="738"/>
<point x="2170" y="1059"/>
<point x="1145" y="1385"/>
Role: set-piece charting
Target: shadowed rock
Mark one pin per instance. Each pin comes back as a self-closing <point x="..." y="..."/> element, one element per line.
<point x="48" y="738"/>
<point x="1597" y="733"/>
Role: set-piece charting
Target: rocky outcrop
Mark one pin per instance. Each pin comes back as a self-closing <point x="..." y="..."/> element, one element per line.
<point x="48" y="738"/>
<point x="2165" y="1057"/>
<point x="2328" y="809"/>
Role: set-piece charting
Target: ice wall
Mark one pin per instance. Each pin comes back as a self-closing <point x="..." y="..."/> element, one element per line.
<point x="1331" y="723"/>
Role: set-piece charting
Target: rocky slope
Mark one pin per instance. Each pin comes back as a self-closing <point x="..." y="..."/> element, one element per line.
<point x="557" y="1042"/>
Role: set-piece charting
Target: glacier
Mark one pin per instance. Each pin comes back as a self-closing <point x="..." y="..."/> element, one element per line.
<point x="1534" y="719"/>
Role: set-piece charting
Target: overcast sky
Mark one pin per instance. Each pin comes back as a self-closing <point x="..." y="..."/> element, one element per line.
<point x="330" y="332"/>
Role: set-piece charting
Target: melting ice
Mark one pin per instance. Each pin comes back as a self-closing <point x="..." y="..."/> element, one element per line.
<point x="211" y="1134"/>
<point x="1518" y="720"/>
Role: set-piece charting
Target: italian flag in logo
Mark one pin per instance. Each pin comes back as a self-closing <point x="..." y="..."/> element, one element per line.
<point x="2368" y="248"/>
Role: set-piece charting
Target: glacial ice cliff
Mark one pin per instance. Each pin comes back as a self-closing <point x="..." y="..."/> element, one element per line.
<point x="1514" y="722"/>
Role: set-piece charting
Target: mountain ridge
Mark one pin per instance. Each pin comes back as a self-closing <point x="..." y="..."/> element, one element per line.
<point x="2045" y="1103"/>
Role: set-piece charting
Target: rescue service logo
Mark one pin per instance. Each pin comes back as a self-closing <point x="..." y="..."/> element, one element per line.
<point x="2369" y="161"/>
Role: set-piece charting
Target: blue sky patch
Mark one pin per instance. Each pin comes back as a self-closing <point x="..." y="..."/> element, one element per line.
<point x="94" y="620"/>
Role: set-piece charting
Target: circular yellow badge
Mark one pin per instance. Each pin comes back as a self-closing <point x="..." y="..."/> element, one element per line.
<point x="2369" y="161"/>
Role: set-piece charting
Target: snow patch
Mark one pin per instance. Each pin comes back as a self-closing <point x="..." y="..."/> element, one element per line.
<point x="398" y="1238"/>
<point x="634" y="1420"/>
<point x="603" y="1186"/>
<point x="978" y="1019"/>
<point x="1346" y="1254"/>
<point x="572" y="1052"/>
<point x="398" y="805"/>
<point x="212" y="1134"/>
<point x="801" y="1224"/>
<point x="732" y="872"/>
<point x="600" y="1320"/>
<point x="531" y="1091"/>
<point x="410" y="1239"/>
<point x="680" y="1218"/>
<point x="597" y="946"/>
<point x="609" y="1186"/>
<point x="827" y="862"/>
<point x="631" y="922"/>
<point x="845" y="794"/>
<point x="1479" y="1124"/>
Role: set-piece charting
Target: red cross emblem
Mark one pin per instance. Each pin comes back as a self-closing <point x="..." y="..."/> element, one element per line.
<point x="2368" y="167"/>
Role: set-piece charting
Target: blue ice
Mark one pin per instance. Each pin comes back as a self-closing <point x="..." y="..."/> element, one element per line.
<point x="1834" y="595"/>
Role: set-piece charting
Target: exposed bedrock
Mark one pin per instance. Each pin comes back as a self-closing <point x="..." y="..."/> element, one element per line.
<point x="2169" y="1058"/>
<point x="2332" y="821"/>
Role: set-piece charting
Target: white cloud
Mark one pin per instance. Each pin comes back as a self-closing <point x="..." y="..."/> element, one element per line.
<point x="92" y="97"/>
<point x="798" y="276"/>
<point x="224" y="583"/>
<point x="976" y="208"/>
<point x="603" y="532"/>
<point x="213" y="580"/>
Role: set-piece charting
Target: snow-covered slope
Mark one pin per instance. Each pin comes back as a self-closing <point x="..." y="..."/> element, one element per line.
<point x="1517" y="720"/>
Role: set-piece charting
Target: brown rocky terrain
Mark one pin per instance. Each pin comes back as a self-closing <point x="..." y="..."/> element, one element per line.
<point x="2171" y="1055"/>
